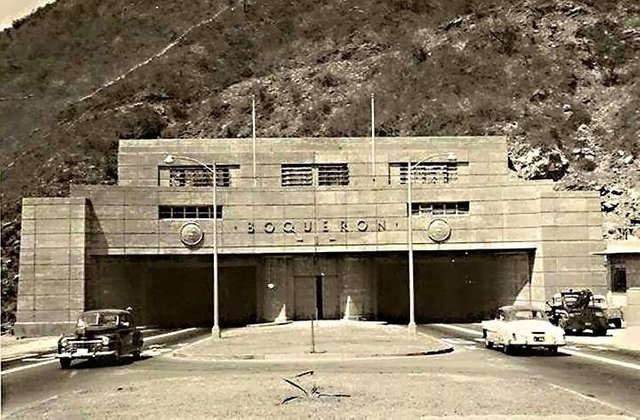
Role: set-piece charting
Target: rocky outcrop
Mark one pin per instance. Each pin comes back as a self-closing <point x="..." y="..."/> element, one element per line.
<point x="536" y="163"/>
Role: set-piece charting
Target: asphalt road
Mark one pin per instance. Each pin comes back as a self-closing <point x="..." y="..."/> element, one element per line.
<point x="581" y="368"/>
<point x="609" y="387"/>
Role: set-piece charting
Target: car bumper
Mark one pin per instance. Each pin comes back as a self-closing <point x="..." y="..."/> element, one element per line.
<point x="531" y="342"/>
<point x="91" y="355"/>
<point x="527" y="343"/>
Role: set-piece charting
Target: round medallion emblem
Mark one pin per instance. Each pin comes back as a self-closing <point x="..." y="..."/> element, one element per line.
<point x="439" y="230"/>
<point x="191" y="234"/>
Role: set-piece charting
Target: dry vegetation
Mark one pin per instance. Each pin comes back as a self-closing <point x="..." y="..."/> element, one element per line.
<point x="539" y="71"/>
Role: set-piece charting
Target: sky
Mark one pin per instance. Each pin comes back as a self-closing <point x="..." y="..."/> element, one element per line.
<point x="11" y="10"/>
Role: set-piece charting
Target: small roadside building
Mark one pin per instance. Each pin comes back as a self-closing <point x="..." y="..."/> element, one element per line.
<point x="622" y="268"/>
<point x="305" y="226"/>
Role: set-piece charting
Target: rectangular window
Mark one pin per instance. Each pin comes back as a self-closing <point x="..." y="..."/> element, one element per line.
<point x="195" y="175"/>
<point x="618" y="279"/>
<point x="307" y="174"/>
<point x="333" y="174"/>
<point x="296" y="175"/>
<point x="441" y="208"/>
<point x="424" y="173"/>
<point x="189" y="212"/>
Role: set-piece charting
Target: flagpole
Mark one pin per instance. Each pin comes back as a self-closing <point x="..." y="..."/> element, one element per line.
<point x="253" y="135"/>
<point x="373" y="136"/>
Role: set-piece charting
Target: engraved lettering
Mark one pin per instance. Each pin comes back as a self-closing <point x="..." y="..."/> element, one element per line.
<point x="343" y="226"/>
<point x="325" y="226"/>
<point x="289" y="227"/>
<point x="251" y="228"/>
<point x="308" y="226"/>
<point x="269" y="227"/>
<point x="362" y="225"/>
<point x="382" y="226"/>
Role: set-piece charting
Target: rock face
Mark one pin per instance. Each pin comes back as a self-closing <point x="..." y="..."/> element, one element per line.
<point x="536" y="163"/>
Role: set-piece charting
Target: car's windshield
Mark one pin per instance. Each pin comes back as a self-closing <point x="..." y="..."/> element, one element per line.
<point x="97" y="319"/>
<point x="524" y="314"/>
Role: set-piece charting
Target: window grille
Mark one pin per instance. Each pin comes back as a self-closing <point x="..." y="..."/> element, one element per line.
<point x="189" y="212"/>
<point x="307" y="174"/>
<point x="197" y="176"/>
<point x="441" y="208"/>
<point x="426" y="172"/>
<point x="296" y="175"/>
<point x="333" y="174"/>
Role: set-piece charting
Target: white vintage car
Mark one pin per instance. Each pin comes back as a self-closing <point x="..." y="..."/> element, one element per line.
<point x="521" y="327"/>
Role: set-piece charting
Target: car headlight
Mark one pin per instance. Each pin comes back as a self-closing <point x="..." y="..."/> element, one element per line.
<point x="105" y="340"/>
<point x="64" y="341"/>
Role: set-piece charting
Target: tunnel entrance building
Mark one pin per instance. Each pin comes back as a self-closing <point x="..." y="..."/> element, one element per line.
<point x="305" y="227"/>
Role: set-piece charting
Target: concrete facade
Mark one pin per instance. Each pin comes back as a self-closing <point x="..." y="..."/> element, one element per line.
<point x="510" y="240"/>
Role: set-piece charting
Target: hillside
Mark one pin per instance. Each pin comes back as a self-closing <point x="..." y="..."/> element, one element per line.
<point x="559" y="78"/>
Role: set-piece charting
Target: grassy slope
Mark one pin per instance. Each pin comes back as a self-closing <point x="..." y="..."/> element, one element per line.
<point x="437" y="67"/>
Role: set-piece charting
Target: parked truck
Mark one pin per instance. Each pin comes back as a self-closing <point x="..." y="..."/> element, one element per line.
<point x="575" y="311"/>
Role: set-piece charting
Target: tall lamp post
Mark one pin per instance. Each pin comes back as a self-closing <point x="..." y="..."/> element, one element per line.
<point x="412" y="299"/>
<point x="170" y="159"/>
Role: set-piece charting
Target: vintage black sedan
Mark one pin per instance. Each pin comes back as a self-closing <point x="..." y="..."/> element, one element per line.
<point x="103" y="333"/>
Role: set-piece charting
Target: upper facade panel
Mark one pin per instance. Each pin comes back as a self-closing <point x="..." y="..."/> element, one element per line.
<point x="286" y="163"/>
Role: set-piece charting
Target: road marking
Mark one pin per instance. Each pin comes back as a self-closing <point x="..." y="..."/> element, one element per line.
<point x="155" y="337"/>
<point x="170" y="334"/>
<point x="602" y="359"/>
<point x="567" y="350"/>
<point x="461" y="329"/>
<point x="196" y="342"/>
<point x="18" y="369"/>
<point x="455" y="340"/>
<point x="37" y="359"/>
<point x="601" y="348"/>
<point x="587" y="397"/>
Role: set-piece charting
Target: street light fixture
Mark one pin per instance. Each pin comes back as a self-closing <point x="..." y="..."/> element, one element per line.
<point x="412" y="300"/>
<point x="170" y="159"/>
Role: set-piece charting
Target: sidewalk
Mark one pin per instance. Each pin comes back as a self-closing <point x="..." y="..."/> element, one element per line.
<point x="333" y="339"/>
<point x="11" y="347"/>
<point x="627" y="339"/>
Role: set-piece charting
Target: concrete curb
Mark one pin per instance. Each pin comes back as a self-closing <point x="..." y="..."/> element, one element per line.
<point x="443" y="348"/>
<point x="265" y="324"/>
<point x="448" y="348"/>
<point x="307" y="356"/>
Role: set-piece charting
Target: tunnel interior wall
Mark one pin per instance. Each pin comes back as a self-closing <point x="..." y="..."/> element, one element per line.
<point x="171" y="292"/>
<point x="453" y="287"/>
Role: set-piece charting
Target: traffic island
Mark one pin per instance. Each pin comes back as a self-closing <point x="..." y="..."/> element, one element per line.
<point x="326" y="340"/>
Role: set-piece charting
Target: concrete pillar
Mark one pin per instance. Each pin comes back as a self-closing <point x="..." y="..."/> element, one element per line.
<point x="632" y="311"/>
<point x="51" y="293"/>
<point x="356" y="292"/>
<point x="275" y="285"/>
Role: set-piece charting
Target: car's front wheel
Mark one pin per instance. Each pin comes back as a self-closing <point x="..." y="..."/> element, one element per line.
<point x="553" y="349"/>
<point x="617" y="323"/>
<point x="487" y="343"/>
<point x="600" y="331"/>
<point x="65" y="362"/>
